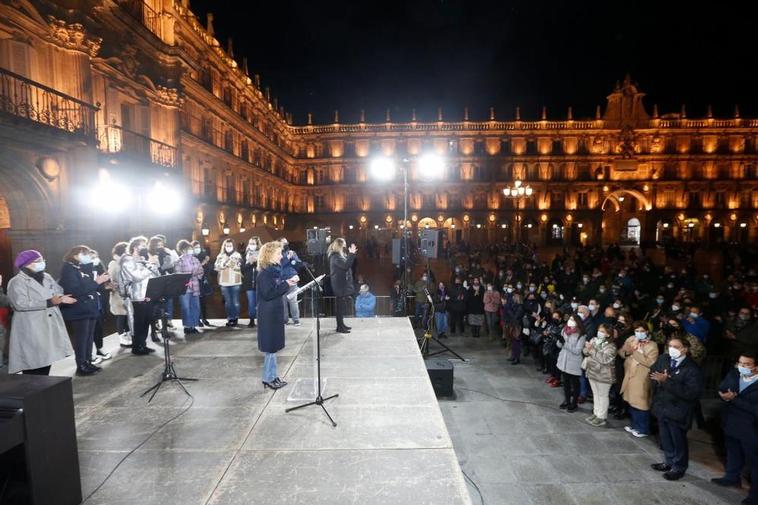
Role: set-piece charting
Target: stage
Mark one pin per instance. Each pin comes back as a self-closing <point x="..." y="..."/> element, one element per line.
<point x="236" y="445"/>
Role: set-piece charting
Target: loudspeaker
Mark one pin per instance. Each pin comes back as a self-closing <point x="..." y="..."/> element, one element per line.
<point x="441" y="375"/>
<point x="315" y="241"/>
<point x="397" y="251"/>
<point x="431" y="243"/>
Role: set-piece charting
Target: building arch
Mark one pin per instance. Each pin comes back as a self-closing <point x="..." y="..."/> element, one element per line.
<point x="614" y="199"/>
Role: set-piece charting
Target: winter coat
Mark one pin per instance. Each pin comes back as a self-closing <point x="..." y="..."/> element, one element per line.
<point x="601" y="362"/>
<point x="38" y="334"/>
<point x="290" y="266"/>
<point x="739" y="417"/>
<point x="82" y="286"/>
<point x="250" y="270"/>
<point x="365" y="305"/>
<point x="229" y="268"/>
<point x="457" y="298"/>
<point x="134" y="275"/>
<point x="398" y="302"/>
<point x="570" y="357"/>
<point x="637" y="387"/>
<point x="512" y="312"/>
<point x="491" y="301"/>
<point x="270" y="287"/>
<point x="418" y="289"/>
<point x="116" y="302"/>
<point x="340" y="273"/>
<point x="475" y="301"/>
<point x="189" y="264"/>
<point x="675" y="399"/>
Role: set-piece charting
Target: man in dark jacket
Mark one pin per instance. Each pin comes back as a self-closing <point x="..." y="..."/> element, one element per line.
<point x="739" y="421"/>
<point x="677" y="389"/>
<point x="457" y="306"/>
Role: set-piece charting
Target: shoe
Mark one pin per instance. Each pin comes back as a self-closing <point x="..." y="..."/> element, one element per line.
<point x="105" y="356"/>
<point x="84" y="372"/>
<point x="638" y="434"/>
<point x="549" y="380"/>
<point x="563" y="406"/>
<point x="170" y="324"/>
<point x="672" y="475"/>
<point x="96" y="360"/>
<point x="125" y="340"/>
<point x="229" y="323"/>
<point x="572" y="408"/>
<point x="619" y="415"/>
<point x="144" y="351"/>
<point x="660" y="467"/>
<point x="516" y="362"/>
<point x="206" y="323"/>
<point x="235" y="322"/>
<point x="270" y="385"/>
<point x="279" y="382"/>
<point x="191" y="331"/>
<point x="251" y="324"/>
<point x="599" y="423"/>
<point x="581" y="400"/>
<point x="556" y="384"/>
<point x="724" y="482"/>
<point x="348" y="327"/>
<point x="343" y="330"/>
<point x="92" y="367"/>
<point x="628" y="429"/>
<point x="155" y="338"/>
<point x="298" y="324"/>
<point x="591" y="418"/>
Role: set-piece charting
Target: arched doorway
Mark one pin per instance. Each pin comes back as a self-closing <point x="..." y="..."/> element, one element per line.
<point x="716" y="233"/>
<point x="555" y="232"/>
<point x="623" y="215"/>
<point x="664" y="232"/>
<point x="427" y="223"/>
<point x="454" y="229"/>
<point x="632" y="232"/>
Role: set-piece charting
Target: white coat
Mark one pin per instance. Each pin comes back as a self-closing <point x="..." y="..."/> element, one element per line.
<point x="38" y="334"/>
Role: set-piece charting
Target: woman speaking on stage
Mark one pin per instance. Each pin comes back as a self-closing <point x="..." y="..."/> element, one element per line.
<point x="270" y="288"/>
<point x="341" y="277"/>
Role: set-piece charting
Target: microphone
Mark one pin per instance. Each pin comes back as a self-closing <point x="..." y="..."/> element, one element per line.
<point x="428" y="296"/>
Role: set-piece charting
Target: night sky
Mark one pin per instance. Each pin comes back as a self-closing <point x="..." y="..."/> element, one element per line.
<point x="349" y="55"/>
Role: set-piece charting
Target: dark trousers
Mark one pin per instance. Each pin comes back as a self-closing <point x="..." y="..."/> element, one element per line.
<point x="570" y="388"/>
<point x="83" y="331"/>
<point x="339" y="310"/>
<point x="738" y="453"/>
<point x="674" y="444"/>
<point x="143" y="316"/>
<point x="203" y="309"/>
<point x="98" y="332"/>
<point x="122" y="324"/>
<point x="456" y="321"/>
<point x="45" y="370"/>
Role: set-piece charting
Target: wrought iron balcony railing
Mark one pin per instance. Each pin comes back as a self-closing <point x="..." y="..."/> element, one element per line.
<point x="27" y="99"/>
<point x="145" y="14"/>
<point x="115" y="139"/>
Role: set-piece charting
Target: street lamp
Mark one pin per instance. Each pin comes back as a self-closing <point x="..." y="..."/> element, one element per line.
<point x="518" y="190"/>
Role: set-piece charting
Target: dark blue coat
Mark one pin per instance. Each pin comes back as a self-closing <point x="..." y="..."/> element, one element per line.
<point x="290" y="266"/>
<point x="270" y="286"/>
<point x="676" y="398"/>
<point x="82" y="286"/>
<point x="739" y="418"/>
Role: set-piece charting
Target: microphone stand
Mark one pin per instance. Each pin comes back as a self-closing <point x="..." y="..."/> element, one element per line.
<point x="428" y="335"/>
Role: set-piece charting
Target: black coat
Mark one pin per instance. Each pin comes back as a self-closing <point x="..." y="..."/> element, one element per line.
<point x="739" y="418"/>
<point x="249" y="273"/>
<point x="82" y="286"/>
<point x="270" y="288"/>
<point x="475" y="301"/>
<point x="340" y="274"/>
<point x="676" y="398"/>
<point x="457" y="301"/>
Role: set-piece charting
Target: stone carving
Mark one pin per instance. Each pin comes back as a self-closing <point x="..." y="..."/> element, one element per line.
<point x="627" y="146"/>
<point x="72" y="36"/>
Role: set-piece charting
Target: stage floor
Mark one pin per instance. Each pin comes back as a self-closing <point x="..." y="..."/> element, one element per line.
<point x="236" y="445"/>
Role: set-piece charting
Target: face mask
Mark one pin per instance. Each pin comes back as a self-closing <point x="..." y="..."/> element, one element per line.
<point x="543" y="295"/>
<point x="745" y="371"/>
<point x="85" y="259"/>
<point x="574" y="306"/>
<point x="571" y="323"/>
<point x="694" y="315"/>
<point x="601" y="290"/>
<point x="229" y="250"/>
<point x="640" y="335"/>
<point x="592" y="306"/>
<point x="586" y="280"/>
<point x="675" y="308"/>
<point x="675" y="353"/>
<point x="616" y="305"/>
<point x="37" y="267"/>
<point x="659" y="301"/>
<point x="519" y="286"/>
<point x="583" y="315"/>
<point x="197" y="250"/>
<point x="745" y="317"/>
<point x="532" y="289"/>
<point x="424" y="278"/>
<point x="622" y="322"/>
<point x="602" y="335"/>
<point x="489" y="288"/>
<point x="712" y="295"/>
<point x="670" y="285"/>
<point x="252" y="247"/>
<point x="509" y="290"/>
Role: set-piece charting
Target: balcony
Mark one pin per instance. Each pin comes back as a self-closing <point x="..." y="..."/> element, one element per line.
<point x="145" y="14"/>
<point x="115" y="139"/>
<point x="23" y="98"/>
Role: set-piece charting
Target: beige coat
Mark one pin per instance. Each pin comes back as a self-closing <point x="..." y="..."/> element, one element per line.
<point x="118" y="307"/>
<point x="38" y="336"/>
<point x="637" y="387"/>
<point x="229" y="268"/>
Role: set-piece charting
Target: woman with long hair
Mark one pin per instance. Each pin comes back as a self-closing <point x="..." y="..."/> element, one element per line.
<point x="571" y="343"/>
<point x="341" y="276"/>
<point x="249" y="272"/>
<point x="190" y="300"/>
<point x="229" y="267"/>
<point x="270" y="287"/>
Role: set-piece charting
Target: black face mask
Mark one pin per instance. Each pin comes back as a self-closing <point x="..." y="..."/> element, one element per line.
<point x="143" y="252"/>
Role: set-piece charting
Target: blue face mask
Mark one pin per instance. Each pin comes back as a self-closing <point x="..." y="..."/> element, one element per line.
<point x="745" y="371"/>
<point x="85" y="259"/>
<point x="37" y="267"/>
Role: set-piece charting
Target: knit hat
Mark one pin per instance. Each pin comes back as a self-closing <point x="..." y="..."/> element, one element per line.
<point x="26" y="257"/>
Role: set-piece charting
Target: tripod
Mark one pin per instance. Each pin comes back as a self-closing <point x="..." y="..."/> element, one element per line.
<point x="167" y="286"/>
<point x="428" y="336"/>
<point x="316" y="288"/>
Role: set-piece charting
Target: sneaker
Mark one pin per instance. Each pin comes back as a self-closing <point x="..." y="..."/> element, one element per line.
<point x="96" y="360"/>
<point x="297" y="323"/>
<point x="638" y="434"/>
<point x="628" y="429"/>
<point x="125" y="340"/>
<point x="598" y="423"/>
<point x="591" y="418"/>
<point x="104" y="355"/>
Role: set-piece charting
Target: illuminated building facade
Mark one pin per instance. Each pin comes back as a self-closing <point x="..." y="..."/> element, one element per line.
<point x="141" y="92"/>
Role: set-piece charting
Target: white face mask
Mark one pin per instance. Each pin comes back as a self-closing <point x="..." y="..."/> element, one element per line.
<point x="602" y="335"/>
<point x="675" y="353"/>
<point x="592" y="306"/>
<point x="640" y="335"/>
<point x="571" y="323"/>
<point x="616" y="305"/>
<point x="229" y="250"/>
<point x="252" y="247"/>
<point x="574" y="306"/>
<point x="37" y="266"/>
<point x="96" y="261"/>
<point x="197" y="250"/>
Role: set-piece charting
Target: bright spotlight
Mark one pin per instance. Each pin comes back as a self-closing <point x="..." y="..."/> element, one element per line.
<point x="164" y="200"/>
<point x="108" y="195"/>
<point x="431" y="166"/>
<point x="382" y="168"/>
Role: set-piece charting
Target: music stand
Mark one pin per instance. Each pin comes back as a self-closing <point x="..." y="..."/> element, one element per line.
<point x="161" y="289"/>
<point x="315" y="287"/>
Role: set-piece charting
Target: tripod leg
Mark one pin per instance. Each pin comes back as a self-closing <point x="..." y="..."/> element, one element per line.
<point x="152" y="388"/>
<point x="447" y="349"/>
<point x="300" y="406"/>
<point x="157" y="388"/>
<point x="327" y="415"/>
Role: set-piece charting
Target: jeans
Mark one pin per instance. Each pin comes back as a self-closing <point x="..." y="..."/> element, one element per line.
<point x="640" y="420"/>
<point x="231" y="296"/>
<point x="422" y="314"/>
<point x="492" y="326"/>
<point x="600" y="392"/>
<point x="570" y="388"/>
<point x="294" y="311"/>
<point x="251" y="308"/>
<point x="440" y="321"/>
<point x="584" y="386"/>
<point x="190" y="310"/>
<point x="83" y="332"/>
<point x="674" y="444"/>
<point x="269" y="367"/>
<point x="739" y="452"/>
